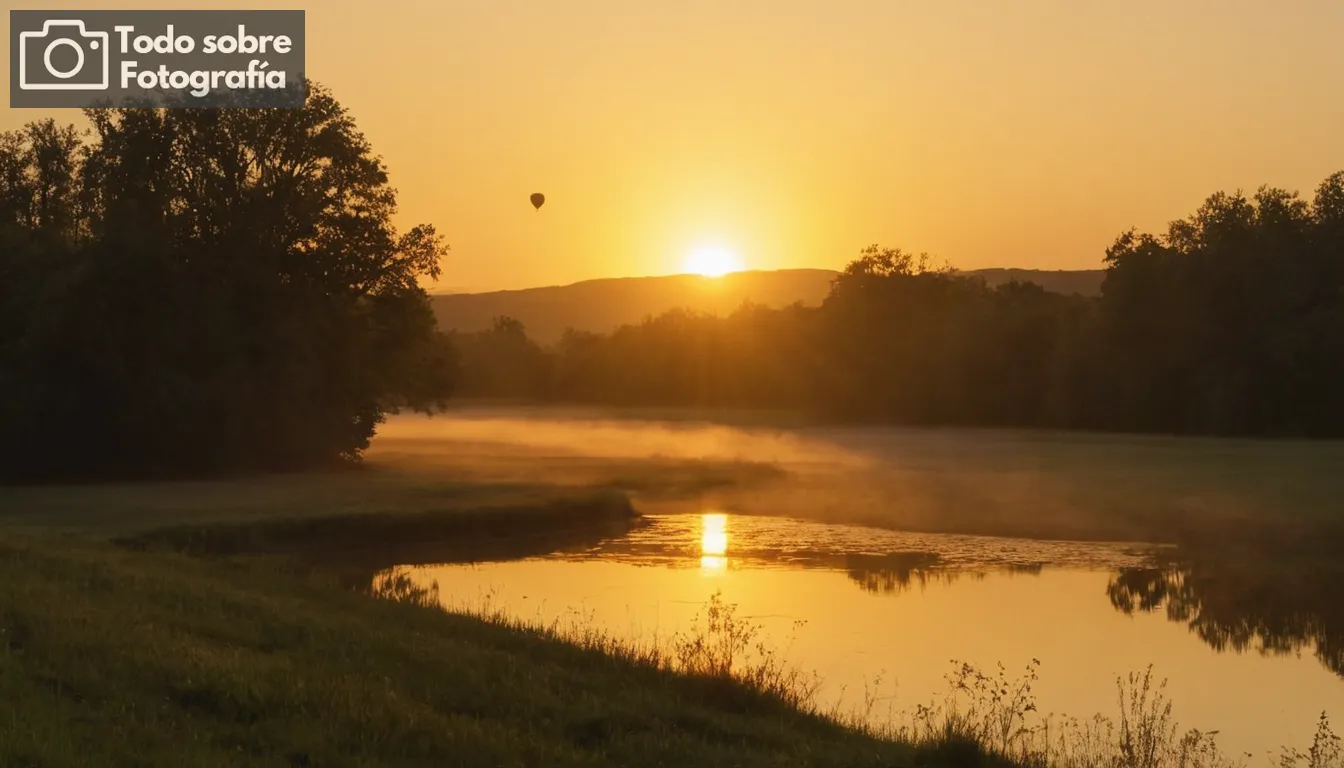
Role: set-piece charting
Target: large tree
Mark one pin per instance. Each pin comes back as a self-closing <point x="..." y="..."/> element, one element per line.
<point x="208" y="289"/>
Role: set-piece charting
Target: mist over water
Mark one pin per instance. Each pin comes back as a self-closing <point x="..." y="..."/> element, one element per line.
<point x="977" y="481"/>
<point x="587" y="433"/>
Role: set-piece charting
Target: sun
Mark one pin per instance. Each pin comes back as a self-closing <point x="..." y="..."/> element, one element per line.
<point x="712" y="261"/>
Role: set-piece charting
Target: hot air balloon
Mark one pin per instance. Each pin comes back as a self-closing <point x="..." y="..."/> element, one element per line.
<point x="537" y="199"/>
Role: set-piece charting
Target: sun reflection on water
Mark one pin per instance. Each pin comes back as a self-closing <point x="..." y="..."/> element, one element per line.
<point x="713" y="540"/>
<point x="861" y="590"/>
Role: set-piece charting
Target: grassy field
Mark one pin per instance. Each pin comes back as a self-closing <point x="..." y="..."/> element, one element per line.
<point x="113" y="657"/>
<point x="183" y="624"/>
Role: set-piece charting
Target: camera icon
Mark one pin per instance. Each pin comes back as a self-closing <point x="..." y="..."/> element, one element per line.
<point x="39" y="72"/>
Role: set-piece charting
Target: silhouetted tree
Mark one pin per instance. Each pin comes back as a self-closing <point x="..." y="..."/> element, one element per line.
<point x="1229" y="323"/>
<point x="208" y="289"/>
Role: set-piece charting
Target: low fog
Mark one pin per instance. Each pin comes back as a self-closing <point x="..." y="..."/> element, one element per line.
<point x="1006" y="482"/>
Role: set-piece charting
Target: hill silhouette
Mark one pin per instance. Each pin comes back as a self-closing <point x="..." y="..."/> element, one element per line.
<point x="601" y="305"/>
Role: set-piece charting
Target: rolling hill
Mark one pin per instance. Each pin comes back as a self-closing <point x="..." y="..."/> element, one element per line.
<point x="601" y="305"/>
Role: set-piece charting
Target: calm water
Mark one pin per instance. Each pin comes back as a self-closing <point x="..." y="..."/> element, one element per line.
<point x="858" y="605"/>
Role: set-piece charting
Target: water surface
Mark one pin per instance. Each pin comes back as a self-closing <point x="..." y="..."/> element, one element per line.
<point x="887" y="612"/>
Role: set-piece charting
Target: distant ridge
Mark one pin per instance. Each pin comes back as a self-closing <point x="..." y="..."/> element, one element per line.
<point x="601" y="305"/>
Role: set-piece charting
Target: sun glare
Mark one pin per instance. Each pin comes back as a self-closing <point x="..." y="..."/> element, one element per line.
<point x="713" y="541"/>
<point x="712" y="261"/>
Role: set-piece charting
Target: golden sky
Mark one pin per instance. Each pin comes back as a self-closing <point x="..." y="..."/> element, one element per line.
<point x="795" y="132"/>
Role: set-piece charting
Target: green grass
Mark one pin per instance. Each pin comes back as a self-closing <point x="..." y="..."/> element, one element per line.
<point x="412" y="477"/>
<point x="118" y="657"/>
<point x="127" y="508"/>
<point x="182" y="624"/>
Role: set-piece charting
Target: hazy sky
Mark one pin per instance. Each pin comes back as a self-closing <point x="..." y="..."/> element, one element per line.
<point x="794" y="132"/>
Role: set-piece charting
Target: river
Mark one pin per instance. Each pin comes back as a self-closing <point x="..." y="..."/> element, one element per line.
<point x="881" y="616"/>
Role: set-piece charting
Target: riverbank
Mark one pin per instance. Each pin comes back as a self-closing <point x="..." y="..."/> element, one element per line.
<point x="280" y="641"/>
<point x="148" y="657"/>
<point x="113" y="595"/>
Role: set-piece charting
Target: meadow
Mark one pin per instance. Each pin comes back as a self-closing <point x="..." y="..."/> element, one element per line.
<point x="110" y="657"/>
<point x="232" y="622"/>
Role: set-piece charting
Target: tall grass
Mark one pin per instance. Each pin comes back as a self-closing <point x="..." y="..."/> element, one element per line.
<point x="730" y="647"/>
<point x="981" y="714"/>
<point x="998" y="715"/>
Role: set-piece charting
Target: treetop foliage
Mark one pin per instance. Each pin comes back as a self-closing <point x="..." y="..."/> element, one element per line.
<point x="206" y="290"/>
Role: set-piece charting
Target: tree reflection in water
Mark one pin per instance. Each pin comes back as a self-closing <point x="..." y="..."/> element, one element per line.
<point x="1270" y="606"/>
<point x="1267" y="605"/>
<point x="895" y="573"/>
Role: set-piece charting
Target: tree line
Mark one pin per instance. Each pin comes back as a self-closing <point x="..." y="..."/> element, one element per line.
<point x="189" y="290"/>
<point x="203" y="290"/>
<point x="1230" y="323"/>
